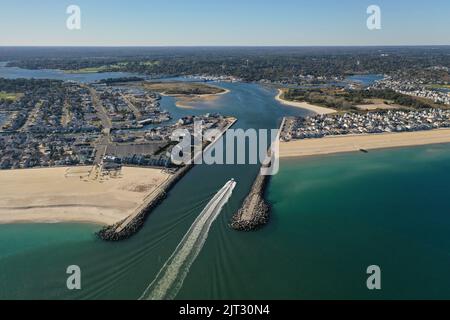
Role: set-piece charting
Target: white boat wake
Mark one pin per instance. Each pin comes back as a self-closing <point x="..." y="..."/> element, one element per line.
<point x="170" y="278"/>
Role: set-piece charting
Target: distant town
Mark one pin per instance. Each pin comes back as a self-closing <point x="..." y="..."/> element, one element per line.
<point x="417" y="88"/>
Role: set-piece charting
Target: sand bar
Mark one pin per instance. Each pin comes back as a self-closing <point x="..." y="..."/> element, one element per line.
<point x="190" y="101"/>
<point x="67" y="195"/>
<point x="350" y="143"/>
<point x="303" y="105"/>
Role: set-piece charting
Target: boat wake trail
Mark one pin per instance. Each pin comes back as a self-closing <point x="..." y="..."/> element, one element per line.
<point x="170" y="278"/>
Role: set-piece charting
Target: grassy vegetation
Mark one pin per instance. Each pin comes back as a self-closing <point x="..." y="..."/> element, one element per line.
<point x="324" y="97"/>
<point x="150" y="63"/>
<point x="9" y="96"/>
<point x="440" y="86"/>
<point x="87" y="70"/>
<point x="182" y="88"/>
<point x="120" y="66"/>
<point x="341" y="99"/>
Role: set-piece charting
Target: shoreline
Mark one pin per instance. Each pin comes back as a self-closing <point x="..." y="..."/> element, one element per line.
<point x="69" y="194"/>
<point x="57" y="195"/>
<point x="303" y="105"/>
<point x="133" y="222"/>
<point x="53" y="218"/>
<point x="186" y="101"/>
<point x="356" y="143"/>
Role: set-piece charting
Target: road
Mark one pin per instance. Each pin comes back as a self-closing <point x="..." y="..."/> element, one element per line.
<point x="103" y="142"/>
<point x="101" y="111"/>
<point x="132" y="107"/>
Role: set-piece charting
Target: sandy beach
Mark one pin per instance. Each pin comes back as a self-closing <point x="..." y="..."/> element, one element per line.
<point x="303" y="105"/>
<point x="190" y="101"/>
<point x="68" y="195"/>
<point x="350" y="143"/>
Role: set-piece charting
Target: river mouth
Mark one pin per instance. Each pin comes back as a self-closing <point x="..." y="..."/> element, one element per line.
<point x="332" y="217"/>
<point x="122" y="271"/>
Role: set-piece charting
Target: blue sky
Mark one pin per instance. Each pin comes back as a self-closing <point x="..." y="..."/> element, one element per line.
<point x="226" y="22"/>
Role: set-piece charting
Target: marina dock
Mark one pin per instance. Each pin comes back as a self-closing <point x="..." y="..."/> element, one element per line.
<point x="131" y="225"/>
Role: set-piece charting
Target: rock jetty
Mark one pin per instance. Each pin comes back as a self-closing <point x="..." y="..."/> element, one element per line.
<point x="255" y="211"/>
<point x="131" y="225"/>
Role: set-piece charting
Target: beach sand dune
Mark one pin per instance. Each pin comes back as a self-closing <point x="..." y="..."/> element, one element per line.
<point x="303" y="105"/>
<point x="192" y="101"/>
<point x="67" y="195"/>
<point x="350" y="143"/>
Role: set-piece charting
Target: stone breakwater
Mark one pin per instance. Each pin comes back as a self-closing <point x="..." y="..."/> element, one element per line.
<point x="255" y="211"/>
<point x="131" y="225"/>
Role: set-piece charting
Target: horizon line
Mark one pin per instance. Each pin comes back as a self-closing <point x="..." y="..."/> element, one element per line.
<point x="225" y="46"/>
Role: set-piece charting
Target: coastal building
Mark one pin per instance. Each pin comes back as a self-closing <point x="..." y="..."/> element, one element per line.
<point x="364" y="123"/>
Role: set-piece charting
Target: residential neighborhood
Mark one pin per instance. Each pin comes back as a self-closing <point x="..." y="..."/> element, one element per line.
<point x="364" y="123"/>
<point x="414" y="88"/>
<point x="52" y="123"/>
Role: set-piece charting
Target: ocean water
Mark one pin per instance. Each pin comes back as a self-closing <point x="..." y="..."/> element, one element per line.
<point x="332" y="217"/>
<point x="345" y="212"/>
<point x="124" y="270"/>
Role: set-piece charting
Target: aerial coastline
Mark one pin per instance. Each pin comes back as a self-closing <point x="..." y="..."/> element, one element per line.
<point x="70" y="147"/>
<point x="188" y="94"/>
<point x="75" y="194"/>
<point x="355" y="143"/>
<point x="244" y="153"/>
<point x="113" y="169"/>
<point x="190" y="101"/>
<point x="302" y="105"/>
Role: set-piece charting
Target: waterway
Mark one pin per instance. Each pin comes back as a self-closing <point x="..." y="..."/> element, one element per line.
<point x="124" y="270"/>
<point x="17" y="73"/>
<point x="332" y="217"/>
<point x="365" y="79"/>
